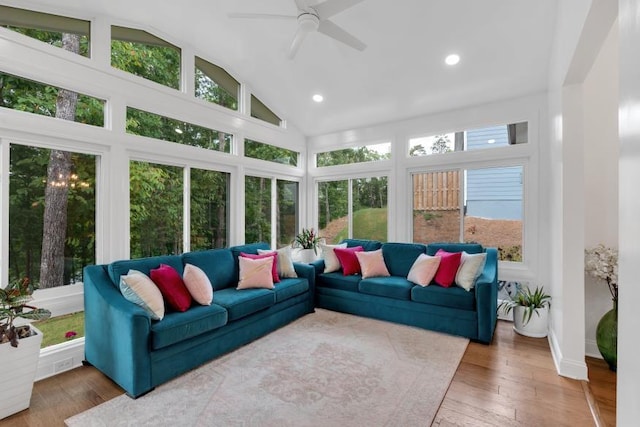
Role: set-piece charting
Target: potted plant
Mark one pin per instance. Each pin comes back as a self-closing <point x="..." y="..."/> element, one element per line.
<point x="307" y="240"/>
<point x="19" y="346"/>
<point x="530" y="312"/>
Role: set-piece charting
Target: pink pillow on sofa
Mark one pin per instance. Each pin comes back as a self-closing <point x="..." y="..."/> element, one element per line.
<point x="423" y="269"/>
<point x="372" y="264"/>
<point x="274" y="255"/>
<point x="449" y="263"/>
<point x="171" y="286"/>
<point x="255" y="273"/>
<point x="348" y="259"/>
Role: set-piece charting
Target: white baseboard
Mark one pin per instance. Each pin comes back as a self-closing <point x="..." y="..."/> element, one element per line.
<point x="576" y="369"/>
<point x="591" y="349"/>
<point x="59" y="358"/>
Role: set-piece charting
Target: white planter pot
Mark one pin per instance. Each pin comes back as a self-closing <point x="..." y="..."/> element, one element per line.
<point x="306" y="255"/>
<point x="19" y="367"/>
<point x="538" y="324"/>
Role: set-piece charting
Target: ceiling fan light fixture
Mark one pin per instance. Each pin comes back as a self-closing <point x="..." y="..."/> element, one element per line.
<point x="317" y="98"/>
<point x="452" y="59"/>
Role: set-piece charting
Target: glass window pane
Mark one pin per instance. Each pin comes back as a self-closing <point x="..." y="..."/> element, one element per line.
<point x="155" y="209"/>
<point x="209" y="209"/>
<point x="436" y="206"/>
<point x="38" y="98"/>
<point x="262" y="112"/>
<point x="51" y="215"/>
<point x="287" y="208"/>
<point x="369" y="153"/>
<point x="271" y="153"/>
<point x="370" y="208"/>
<point x="257" y="209"/>
<point x="215" y="85"/>
<point x="494" y="200"/>
<point x="333" y="210"/>
<point x="145" y="55"/>
<point x="160" y="127"/>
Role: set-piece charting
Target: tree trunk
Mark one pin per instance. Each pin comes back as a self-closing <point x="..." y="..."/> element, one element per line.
<point x="56" y="194"/>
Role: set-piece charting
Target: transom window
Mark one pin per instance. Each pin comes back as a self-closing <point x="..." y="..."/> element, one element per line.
<point x="271" y="153"/>
<point x="367" y="153"/>
<point x="262" y="112"/>
<point x="214" y="84"/>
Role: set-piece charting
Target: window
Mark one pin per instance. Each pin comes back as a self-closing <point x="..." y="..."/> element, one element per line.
<point x="354" y="208"/>
<point x="52" y="209"/>
<point x="368" y="153"/>
<point x="156" y="207"/>
<point x="271" y="153"/>
<point x="155" y="126"/>
<point x="262" y="112"/>
<point x="271" y="210"/>
<point x="48" y="28"/>
<point x="145" y="55"/>
<point x="215" y="85"/>
<point x="475" y="139"/>
<point x="483" y="205"/>
<point x="37" y="98"/>
<point x="209" y="212"/>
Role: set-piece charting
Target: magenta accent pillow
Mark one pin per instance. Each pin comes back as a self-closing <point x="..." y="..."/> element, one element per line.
<point x="449" y="263"/>
<point x="348" y="259"/>
<point x="171" y="286"/>
<point x="372" y="264"/>
<point x="274" y="255"/>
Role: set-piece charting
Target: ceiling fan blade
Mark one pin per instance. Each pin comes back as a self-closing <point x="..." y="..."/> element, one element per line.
<point x="259" y="16"/>
<point x="302" y="4"/>
<point x="296" y="42"/>
<point x="333" y="7"/>
<point x="332" y="30"/>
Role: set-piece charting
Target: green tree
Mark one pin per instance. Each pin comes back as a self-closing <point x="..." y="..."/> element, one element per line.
<point x="440" y="144"/>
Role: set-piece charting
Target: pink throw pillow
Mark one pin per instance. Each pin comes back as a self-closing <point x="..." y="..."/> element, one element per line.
<point x="348" y="260"/>
<point x="171" y="286"/>
<point x="449" y="263"/>
<point x="198" y="284"/>
<point x="256" y="273"/>
<point x="372" y="264"/>
<point x="274" y="255"/>
<point x="423" y="269"/>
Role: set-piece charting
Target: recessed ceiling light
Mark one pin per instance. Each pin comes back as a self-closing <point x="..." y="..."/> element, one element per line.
<point x="317" y="97"/>
<point x="452" y="59"/>
<point x="178" y="130"/>
<point x="491" y="141"/>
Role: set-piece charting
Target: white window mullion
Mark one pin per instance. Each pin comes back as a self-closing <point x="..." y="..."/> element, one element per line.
<point x="274" y="212"/>
<point x="186" y="212"/>
<point x="4" y="212"/>
<point x="350" y="207"/>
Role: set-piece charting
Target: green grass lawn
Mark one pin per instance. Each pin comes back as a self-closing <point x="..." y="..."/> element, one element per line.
<point x="55" y="329"/>
<point x="370" y="223"/>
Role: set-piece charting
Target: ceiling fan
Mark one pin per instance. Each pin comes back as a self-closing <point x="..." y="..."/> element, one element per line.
<point x="314" y="18"/>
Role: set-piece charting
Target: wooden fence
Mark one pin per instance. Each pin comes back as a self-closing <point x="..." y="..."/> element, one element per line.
<point x="436" y="191"/>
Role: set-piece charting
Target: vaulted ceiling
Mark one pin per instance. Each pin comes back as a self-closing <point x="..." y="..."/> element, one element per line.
<point x="504" y="47"/>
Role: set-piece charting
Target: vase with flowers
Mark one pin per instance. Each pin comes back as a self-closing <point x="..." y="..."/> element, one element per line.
<point x="307" y="241"/>
<point x="601" y="262"/>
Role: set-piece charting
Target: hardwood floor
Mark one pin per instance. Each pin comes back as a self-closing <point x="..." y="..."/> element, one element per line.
<point x="512" y="382"/>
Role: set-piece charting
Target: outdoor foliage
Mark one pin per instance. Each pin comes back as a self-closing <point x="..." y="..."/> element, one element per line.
<point x="14" y="300"/>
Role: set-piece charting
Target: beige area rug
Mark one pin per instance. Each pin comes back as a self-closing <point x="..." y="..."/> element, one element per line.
<point x="325" y="369"/>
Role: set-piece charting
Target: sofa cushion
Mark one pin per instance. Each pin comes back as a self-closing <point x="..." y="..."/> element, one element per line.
<point x="367" y="245"/>
<point x="348" y="260"/>
<point x="423" y="269"/>
<point x="390" y="287"/>
<point x="285" y="261"/>
<point x="446" y="297"/>
<point x="256" y="273"/>
<point x="337" y="280"/>
<point x="198" y="284"/>
<point x="470" y="269"/>
<point x="138" y="288"/>
<point x="217" y="264"/>
<point x="449" y="264"/>
<point x="289" y="288"/>
<point x="470" y="248"/>
<point x="241" y="303"/>
<point x="328" y="254"/>
<point x="176" y="326"/>
<point x="372" y="264"/>
<point x="250" y="248"/>
<point x="144" y="265"/>
<point x="174" y="292"/>
<point x="274" y="265"/>
<point x="399" y="257"/>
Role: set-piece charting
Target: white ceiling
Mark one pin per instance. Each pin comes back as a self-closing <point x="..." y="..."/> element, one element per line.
<point x="504" y="45"/>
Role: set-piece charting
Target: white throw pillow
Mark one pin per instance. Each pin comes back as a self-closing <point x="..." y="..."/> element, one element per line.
<point x="471" y="266"/>
<point x="285" y="262"/>
<point x="331" y="262"/>
<point x="138" y="288"/>
<point x="198" y="284"/>
<point x="424" y="269"/>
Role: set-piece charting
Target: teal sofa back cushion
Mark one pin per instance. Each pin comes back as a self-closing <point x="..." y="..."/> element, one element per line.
<point x="470" y="248"/>
<point x="367" y="245"/>
<point x="217" y="264"/>
<point x="145" y="265"/>
<point x="399" y="257"/>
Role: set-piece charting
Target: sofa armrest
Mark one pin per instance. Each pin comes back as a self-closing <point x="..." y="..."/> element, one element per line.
<point x="308" y="272"/>
<point x="117" y="333"/>
<point x="486" y="289"/>
<point x="318" y="265"/>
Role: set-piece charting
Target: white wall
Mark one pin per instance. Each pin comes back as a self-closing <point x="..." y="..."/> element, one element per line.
<point x="600" y="96"/>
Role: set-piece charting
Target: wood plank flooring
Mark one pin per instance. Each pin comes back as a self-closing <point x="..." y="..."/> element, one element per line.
<point x="511" y="382"/>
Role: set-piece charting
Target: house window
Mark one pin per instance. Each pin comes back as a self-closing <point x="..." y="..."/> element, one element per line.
<point x="209" y="192"/>
<point x="52" y="210"/>
<point x="271" y="153"/>
<point x="367" y="153"/>
<point x="262" y="112"/>
<point x="48" y="28"/>
<point x="45" y="100"/>
<point x="214" y="84"/>
<point x="286" y="211"/>
<point x="353" y="208"/>
<point x="481" y="205"/>
<point x="160" y="127"/>
<point x="143" y="54"/>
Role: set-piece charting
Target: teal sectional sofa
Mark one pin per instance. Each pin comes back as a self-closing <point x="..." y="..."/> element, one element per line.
<point x="138" y="354"/>
<point x="453" y="310"/>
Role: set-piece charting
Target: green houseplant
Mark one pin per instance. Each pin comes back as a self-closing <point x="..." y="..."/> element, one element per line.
<point x="14" y="300"/>
<point x="307" y="241"/>
<point x="525" y="304"/>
